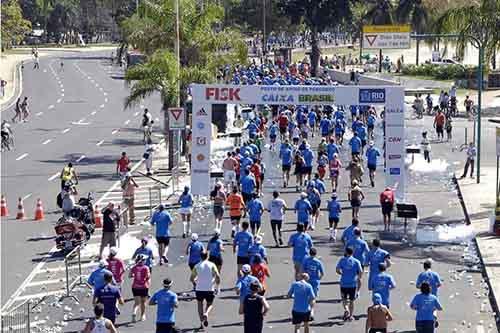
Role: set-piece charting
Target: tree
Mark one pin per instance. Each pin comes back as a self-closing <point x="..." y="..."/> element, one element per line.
<point x="317" y="15"/>
<point x="415" y="13"/>
<point x="14" y="26"/>
<point x="379" y="12"/>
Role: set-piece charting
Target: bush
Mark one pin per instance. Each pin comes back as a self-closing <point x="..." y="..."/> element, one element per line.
<point x="438" y="72"/>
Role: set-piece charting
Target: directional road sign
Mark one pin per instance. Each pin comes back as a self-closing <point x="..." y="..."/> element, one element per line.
<point x="386" y="36"/>
<point x="176" y="118"/>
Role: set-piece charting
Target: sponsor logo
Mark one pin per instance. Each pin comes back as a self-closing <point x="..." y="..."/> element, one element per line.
<point x="394" y="139"/>
<point x="372" y="95"/>
<point x="394" y="157"/>
<point x="200" y="125"/>
<point x="201" y="141"/>
<point x="200" y="157"/>
<point x="316" y="98"/>
<point x="222" y="94"/>
<point x="202" y="112"/>
<point x="277" y="98"/>
<point x="394" y="171"/>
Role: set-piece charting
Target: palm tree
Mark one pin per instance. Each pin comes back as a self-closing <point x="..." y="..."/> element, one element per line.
<point x="379" y="12"/>
<point x="413" y="12"/>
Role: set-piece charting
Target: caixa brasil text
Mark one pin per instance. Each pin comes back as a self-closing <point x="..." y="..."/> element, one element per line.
<point x="300" y="98"/>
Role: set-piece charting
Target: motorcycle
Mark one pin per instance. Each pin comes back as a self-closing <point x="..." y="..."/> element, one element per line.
<point x="76" y="227"/>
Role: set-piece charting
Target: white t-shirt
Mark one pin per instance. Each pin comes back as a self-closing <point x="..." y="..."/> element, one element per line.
<point x="205" y="276"/>
<point x="276" y="209"/>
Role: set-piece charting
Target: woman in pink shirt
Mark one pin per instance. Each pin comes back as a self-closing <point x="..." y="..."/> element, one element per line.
<point x="116" y="266"/>
<point x="140" y="286"/>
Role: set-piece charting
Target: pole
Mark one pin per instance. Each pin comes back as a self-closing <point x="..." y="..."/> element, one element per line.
<point x="171" y="136"/>
<point x="380" y="60"/>
<point x="479" y="92"/>
<point x="264" y="43"/>
<point x="360" y="45"/>
<point x="498" y="164"/>
<point x="418" y="52"/>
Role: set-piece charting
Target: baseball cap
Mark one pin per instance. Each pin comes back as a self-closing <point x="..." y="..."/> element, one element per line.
<point x="246" y="268"/>
<point x="113" y="251"/>
<point x="194" y="236"/>
<point x="217" y="231"/>
<point x="167" y="282"/>
<point x="258" y="239"/>
<point x="103" y="263"/>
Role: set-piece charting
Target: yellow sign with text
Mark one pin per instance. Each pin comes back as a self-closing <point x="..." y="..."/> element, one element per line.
<point x="371" y="29"/>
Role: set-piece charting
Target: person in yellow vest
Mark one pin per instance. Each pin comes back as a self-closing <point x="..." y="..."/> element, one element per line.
<point x="68" y="173"/>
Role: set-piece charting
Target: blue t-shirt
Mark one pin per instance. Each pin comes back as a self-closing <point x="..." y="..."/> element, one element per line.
<point x="108" y="295"/>
<point x="301" y="243"/>
<point x="311" y="117"/>
<point x="165" y="301"/>
<point x="255" y="208"/>
<point x="304" y="209"/>
<point x="243" y="285"/>
<point x="382" y="283"/>
<point x="355" y="144"/>
<point x="332" y="149"/>
<point x="362" y="132"/>
<point x="247" y="184"/>
<point x="360" y="248"/>
<point x="425" y="306"/>
<point x="256" y="249"/>
<point x="195" y="250"/>
<point x="313" y="267"/>
<point x="430" y="277"/>
<point x="371" y="120"/>
<point x="350" y="268"/>
<point x="147" y="252"/>
<point x="252" y="128"/>
<point x="186" y="200"/>
<point x="334" y="209"/>
<point x="273" y="130"/>
<point x="246" y="162"/>
<point x="348" y="234"/>
<point x="314" y="197"/>
<point x="302" y="293"/>
<point x="163" y="220"/>
<point x="339" y="114"/>
<point x="243" y="239"/>
<point x="255" y="149"/>
<point x="371" y="155"/>
<point x="96" y="278"/>
<point x="375" y="257"/>
<point x="339" y="127"/>
<point x="286" y="155"/>
<point x="214" y="246"/>
<point x="320" y="185"/>
<point x="308" y="157"/>
<point x="356" y="125"/>
<point x="324" y="125"/>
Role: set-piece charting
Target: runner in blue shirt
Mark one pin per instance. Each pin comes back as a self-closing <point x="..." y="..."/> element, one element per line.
<point x="314" y="198"/>
<point x="314" y="268"/>
<point x="370" y="121"/>
<point x="351" y="272"/>
<point x="359" y="246"/>
<point x="301" y="244"/>
<point x="257" y="249"/>
<point x="334" y="210"/>
<point x="308" y="155"/>
<point x="162" y="219"/>
<point x="372" y="155"/>
<point x="339" y="114"/>
<point x="242" y="240"/>
<point x="319" y="184"/>
<point x="356" y="124"/>
<point x="312" y="118"/>
<point x="362" y="135"/>
<point x="255" y="210"/>
<point x="146" y="252"/>
<point x="96" y="278"/>
<point x="252" y="129"/>
<point x="429" y="276"/>
<point x="355" y="144"/>
<point x="194" y="250"/>
<point x="303" y="209"/>
<point x="382" y="283"/>
<point x="324" y="126"/>
<point x="303" y="302"/>
<point x="377" y="256"/>
<point x="186" y="201"/>
<point x="348" y="233"/>
<point x="273" y="134"/>
<point x="340" y="131"/>
<point x="166" y="302"/>
<point x="215" y="247"/>
<point x="248" y="185"/>
<point x="246" y="161"/>
<point x="286" y="155"/>
<point x="426" y="305"/>
<point x="243" y="283"/>
<point x="108" y="295"/>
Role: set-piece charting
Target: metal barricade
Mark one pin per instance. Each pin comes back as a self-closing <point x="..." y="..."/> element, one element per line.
<point x="16" y="320"/>
<point x="74" y="274"/>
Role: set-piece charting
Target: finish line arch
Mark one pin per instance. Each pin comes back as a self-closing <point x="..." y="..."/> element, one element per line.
<point x="205" y="95"/>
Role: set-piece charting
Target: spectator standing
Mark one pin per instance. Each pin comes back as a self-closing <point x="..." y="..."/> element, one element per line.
<point x="110" y="217"/>
<point x="122" y="166"/>
<point x="128" y="186"/>
<point x="471" y="157"/>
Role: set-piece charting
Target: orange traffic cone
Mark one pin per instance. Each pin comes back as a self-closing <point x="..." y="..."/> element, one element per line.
<point x="39" y="216"/>
<point x="97" y="217"/>
<point x="4" y="211"/>
<point x="20" y="210"/>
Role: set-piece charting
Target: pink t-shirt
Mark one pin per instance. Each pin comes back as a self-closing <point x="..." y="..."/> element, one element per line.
<point x="116" y="267"/>
<point x="141" y="276"/>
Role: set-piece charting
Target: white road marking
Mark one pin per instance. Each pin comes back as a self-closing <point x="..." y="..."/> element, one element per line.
<point x="62" y="89"/>
<point x="136" y="114"/>
<point x="44" y="282"/>
<point x="93" y="113"/>
<point x="80" y="158"/>
<point x="22" y="156"/>
<point x="100" y="88"/>
<point x="127" y="122"/>
<point x="102" y="106"/>
<point x="105" y="100"/>
<point x="40" y="295"/>
<point x="114" y="131"/>
<point x="100" y="143"/>
<point x="51" y="106"/>
<point x="38" y="114"/>
<point x="46" y="141"/>
<point x="45" y="71"/>
<point x="97" y="85"/>
<point x="54" y="176"/>
<point x="59" y="100"/>
<point x="62" y="95"/>
<point x="105" y="93"/>
<point x="66" y="130"/>
<point x="82" y="120"/>
<point x="27" y="196"/>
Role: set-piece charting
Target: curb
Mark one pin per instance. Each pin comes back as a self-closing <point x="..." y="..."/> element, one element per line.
<point x="18" y="82"/>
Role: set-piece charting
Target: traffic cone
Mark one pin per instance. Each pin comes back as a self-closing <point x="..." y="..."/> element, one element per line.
<point x="4" y="211"/>
<point x="20" y="210"/>
<point x="39" y="216"/>
<point x="97" y="217"/>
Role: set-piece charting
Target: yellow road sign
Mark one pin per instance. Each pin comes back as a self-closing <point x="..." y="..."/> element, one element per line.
<point x="386" y="28"/>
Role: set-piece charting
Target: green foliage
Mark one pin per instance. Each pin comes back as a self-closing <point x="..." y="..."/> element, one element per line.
<point x="14" y="26"/>
<point x="415" y="13"/>
<point x="439" y="72"/>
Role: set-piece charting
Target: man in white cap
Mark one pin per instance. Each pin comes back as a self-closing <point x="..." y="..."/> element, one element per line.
<point x="244" y="282"/>
<point x="430" y="277"/>
<point x="96" y="278"/>
<point x="257" y="249"/>
<point x="372" y="154"/>
<point x="194" y="250"/>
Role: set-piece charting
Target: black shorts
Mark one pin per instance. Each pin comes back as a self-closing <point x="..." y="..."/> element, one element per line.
<point x="140" y="292"/>
<point x="307" y="170"/>
<point x="377" y="330"/>
<point x="371" y="127"/>
<point x="163" y="240"/>
<point x="235" y="219"/>
<point x="218" y="210"/>
<point x="355" y="203"/>
<point x="439" y="129"/>
<point x="165" y="327"/>
<point x="363" y="143"/>
<point x="276" y="223"/>
<point x="314" y="209"/>
<point x="372" y="167"/>
<point x="205" y="296"/>
<point x="300" y="317"/>
<point x="285" y="167"/>
<point x="272" y="138"/>
<point x="387" y="208"/>
<point x="216" y="260"/>
<point x="191" y="265"/>
<point x="348" y="293"/>
<point x="333" y="220"/>
<point x="255" y="224"/>
<point x="243" y="260"/>
<point x="246" y="197"/>
<point x="283" y="130"/>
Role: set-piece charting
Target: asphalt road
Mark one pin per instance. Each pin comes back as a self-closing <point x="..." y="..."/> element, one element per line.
<point x="429" y="190"/>
<point x="78" y="116"/>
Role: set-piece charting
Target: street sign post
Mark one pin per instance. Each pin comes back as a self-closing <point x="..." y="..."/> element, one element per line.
<point x="386" y="36"/>
<point x="176" y="118"/>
